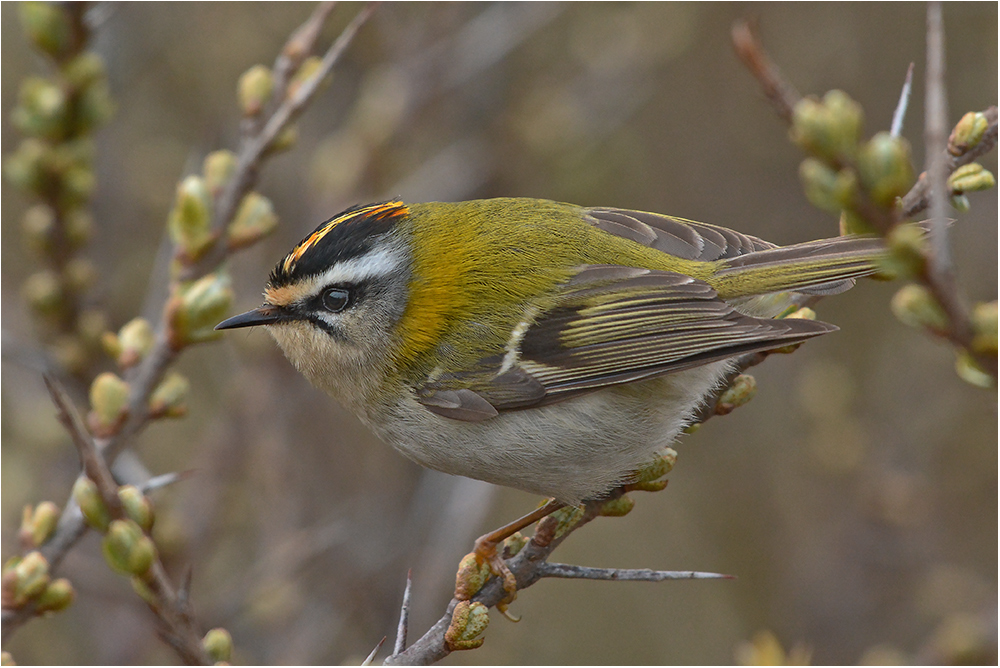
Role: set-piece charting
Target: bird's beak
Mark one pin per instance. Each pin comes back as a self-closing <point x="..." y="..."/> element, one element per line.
<point x="263" y="315"/>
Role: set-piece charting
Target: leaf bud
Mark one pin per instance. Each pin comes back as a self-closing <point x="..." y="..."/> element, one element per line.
<point x="199" y="307"/>
<point x="96" y="105"/>
<point x="108" y="402"/>
<point x="740" y="391"/>
<point x="471" y="576"/>
<point x="967" y="133"/>
<point x="970" y="178"/>
<point x="468" y="621"/>
<point x="85" y="69"/>
<point x="57" y="596"/>
<point x="39" y="523"/>
<point x="137" y="506"/>
<point x="907" y="246"/>
<point x="31" y="577"/>
<point x="38" y="227"/>
<point x="218" y="168"/>
<point x="127" y="549"/>
<point x="29" y="167"/>
<point x="960" y="203"/>
<point x="189" y="221"/>
<point x="92" y="505"/>
<point x="285" y="140"/>
<point x="218" y="644"/>
<point x="134" y="340"/>
<point x="91" y="326"/>
<point x="513" y="544"/>
<point x="78" y="184"/>
<point x="617" y="507"/>
<point x="825" y="188"/>
<point x="884" y="168"/>
<point x="914" y="305"/>
<point x="47" y="25"/>
<point x="310" y="66"/>
<point x="143" y="591"/>
<point x="70" y="353"/>
<point x="43" y="109"/>
<point x="44" y="293"/>
<point x="984" y="328"/>
<point x="79" y="227"/>
<point x="169" y="396"/>
<point x="254" y="219"/>
<point x="254" y="89"/>
<point x="969" y="371"/>
<point x="830" y="129"/>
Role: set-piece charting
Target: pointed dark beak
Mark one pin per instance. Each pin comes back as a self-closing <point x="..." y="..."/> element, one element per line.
<point x="264" y="315"/>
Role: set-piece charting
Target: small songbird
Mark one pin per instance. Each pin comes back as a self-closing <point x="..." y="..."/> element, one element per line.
<point x="533" y="344"/>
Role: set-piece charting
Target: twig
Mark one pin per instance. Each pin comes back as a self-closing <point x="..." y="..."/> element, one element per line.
<point x="573" y="572"/>
<point x="936" y="137"/>
<point x="144" y="377"/>
<point x="904" y="100"/>
<point x="157" y="482"/>
<point x="169" y="604"/>
<point x="371" y="655"/>
<point x="778" y="90"/>
<point x="404" y="616"/>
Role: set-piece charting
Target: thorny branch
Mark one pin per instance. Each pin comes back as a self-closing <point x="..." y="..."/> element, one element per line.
<point x="168" y="602"/>
<point x="938" y="276"/>
<point x="144" y="377"/>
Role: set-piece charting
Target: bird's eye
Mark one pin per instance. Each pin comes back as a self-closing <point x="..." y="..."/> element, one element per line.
<point x="336" y="300"/>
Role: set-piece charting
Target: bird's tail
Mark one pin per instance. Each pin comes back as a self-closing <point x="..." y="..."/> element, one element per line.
<point x="824" y="267"/>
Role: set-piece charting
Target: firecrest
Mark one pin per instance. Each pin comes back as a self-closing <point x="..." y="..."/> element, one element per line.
<point x="543" y="346"/>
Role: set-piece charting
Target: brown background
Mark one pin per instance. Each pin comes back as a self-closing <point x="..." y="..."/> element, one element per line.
<point x="854" y="498"/>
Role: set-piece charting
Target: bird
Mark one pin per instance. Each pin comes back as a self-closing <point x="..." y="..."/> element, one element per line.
<point x="535" y="344"/>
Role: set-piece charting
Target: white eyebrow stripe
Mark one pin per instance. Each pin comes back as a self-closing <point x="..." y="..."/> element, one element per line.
<point x="380" y="262"/>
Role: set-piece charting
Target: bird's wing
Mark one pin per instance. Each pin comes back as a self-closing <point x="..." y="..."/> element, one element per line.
<point x="609" y="325"/>
<point x="686" y="239"/>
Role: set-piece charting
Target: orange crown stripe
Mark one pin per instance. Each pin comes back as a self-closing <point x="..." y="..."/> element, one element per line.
<point x="376" y="211"/>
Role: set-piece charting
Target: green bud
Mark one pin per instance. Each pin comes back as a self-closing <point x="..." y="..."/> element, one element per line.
<point x="78" y="184"/>
<point x="80" y="274"/>
<point x="191" y="218"/>
<point x="513" y="544"/>
<point x="127" y="549"/>
<point x="44" y="293"/>
<point x="254" y="219"/>
<point x="143" y="590"/>
<point x="884" y="168"/>
<point x="135" y="339"/>
<point x="984" y="328"/>
<point x="31" y="577"/>
<point x="218" y="169"/>
<point x="960" y="203"/>
<point x="285" y="140"/>
<point x="79" y="227"/>
<point x="84" y="70"/>
<point x="969" y="371"/>
<point x="740" y="391"/>
<point x="91" y="326"/>
<point x="907" y="245"/>
<point x="468" y="621"/>
<point x="108" y="402"/>
<point x="218" y="644"/>
<point x="656" y="469"/>
<point x="169" y="396"/>
<point x="967" y="133"/>
<point x="30" y="167"/>
<point x="852" y="223"/>
<point x="199" y="307"/>
<point x="39" y="227"/>
<point x="57" y="596"/>
<point x="88" y="497"/>
<point x="71" y="353"/>
<point x="826" y="189"/>
<point x="39" y="523"/>
<point x="914" y="305"/>
<point x="48" y="26"/>
<point x="43" y="110"/>
<point x="471" y="576"/>
<point x="310" y="66"/>
<point x="831" y="128"/>
<point x="618" y="507"/>
<point x="96" y="105"/>
<point x="254" y="89"/>
<point x="970" y="178"/>
<point x="137" y="506"/>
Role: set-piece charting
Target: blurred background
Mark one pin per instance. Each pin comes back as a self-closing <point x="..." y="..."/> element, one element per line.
<point x="854" y="498"/>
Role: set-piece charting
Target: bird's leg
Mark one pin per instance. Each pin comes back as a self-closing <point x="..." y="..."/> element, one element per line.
<point x="485" y="550"/>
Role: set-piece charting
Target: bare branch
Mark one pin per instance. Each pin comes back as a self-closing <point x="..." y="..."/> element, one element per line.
<point x="936" y="137"/>
<point x="778" y="90"/>
<point x="904" y="100"/>
<point x="573" y="572"/>
<point x="371" y="655"/>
